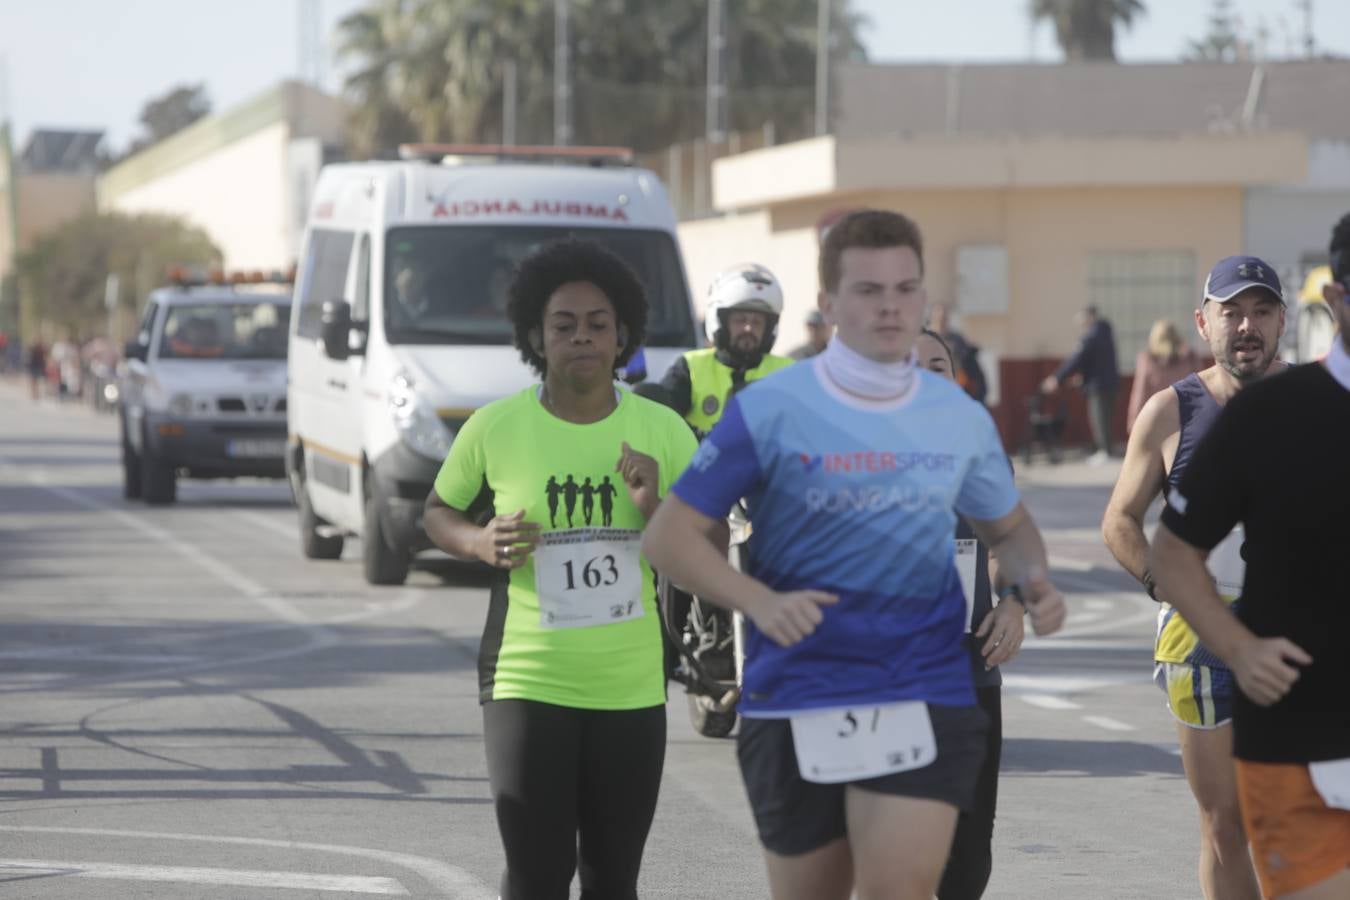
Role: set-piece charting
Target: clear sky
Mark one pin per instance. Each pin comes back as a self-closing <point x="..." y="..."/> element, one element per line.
<point x="93" y="63"/>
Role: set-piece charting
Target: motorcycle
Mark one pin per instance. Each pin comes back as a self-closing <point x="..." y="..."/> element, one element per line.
<point x="709" y="644"/>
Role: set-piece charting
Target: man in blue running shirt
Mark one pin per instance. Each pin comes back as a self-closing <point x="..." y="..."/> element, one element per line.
<point x="860" y="738"/>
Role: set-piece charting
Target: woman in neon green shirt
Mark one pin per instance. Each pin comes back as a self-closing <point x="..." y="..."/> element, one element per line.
<point x="570" y="667"/>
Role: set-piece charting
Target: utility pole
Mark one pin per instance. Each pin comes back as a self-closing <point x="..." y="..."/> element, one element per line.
<point x="716" y="130"/>
<point x="310" y="50"/>
<point x="111" y="299"/>
<point x="509" y="102"/>
<point x="562" y="74"/>
<point x="4" y="89"/>
<point x="1309" y="40"/>
<point x="822" y="67"/>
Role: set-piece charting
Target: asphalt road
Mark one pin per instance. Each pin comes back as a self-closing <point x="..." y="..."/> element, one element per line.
<point x="190" y="709"/>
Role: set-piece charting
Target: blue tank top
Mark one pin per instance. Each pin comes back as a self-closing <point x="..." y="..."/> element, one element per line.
<point x="1198" y="410"/>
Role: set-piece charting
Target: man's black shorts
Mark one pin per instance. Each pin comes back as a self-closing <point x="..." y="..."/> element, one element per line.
<point x="796" y="816"/>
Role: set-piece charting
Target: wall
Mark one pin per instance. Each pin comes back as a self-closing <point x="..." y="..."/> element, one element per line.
<point x="238" y="194"/>
<point x="1049" y="234"/>
<point x="1286" y="225"/>
<point x="711" y="245"/>
<point x="49" y="200"/>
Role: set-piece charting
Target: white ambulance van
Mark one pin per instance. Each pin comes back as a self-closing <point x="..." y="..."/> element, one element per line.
<point x="399" y="330"/>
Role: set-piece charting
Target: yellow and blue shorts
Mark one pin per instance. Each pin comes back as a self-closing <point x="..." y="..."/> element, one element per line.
<point x="1199" y="686"/>
<point x="1199" y="696"/>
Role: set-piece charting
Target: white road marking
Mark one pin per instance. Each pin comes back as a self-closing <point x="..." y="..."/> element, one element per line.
<point x="1108" y="723"/>
<point x="1147" y="615"/>
<point x="453" y="881"/>
<point x="303" y="881"/>
<point x="1143" y="645"/>
<point x="1090" y="534"/>
<point x="1048" y="701"/>
<point x="318" y="635"/>
<point x="1073" y="565"/>
<point x="1068" y="684"/>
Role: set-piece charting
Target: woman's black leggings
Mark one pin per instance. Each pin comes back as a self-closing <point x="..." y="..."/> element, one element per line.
<point x="558" y="773"/>
<point x="971" y="860"/>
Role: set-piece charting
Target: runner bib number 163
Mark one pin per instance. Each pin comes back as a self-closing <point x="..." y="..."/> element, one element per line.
<point x="863" y="742"/>
<point x="588" y="576"/>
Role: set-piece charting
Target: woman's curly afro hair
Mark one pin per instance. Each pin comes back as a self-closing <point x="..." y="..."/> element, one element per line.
<point x="562" y="262"/>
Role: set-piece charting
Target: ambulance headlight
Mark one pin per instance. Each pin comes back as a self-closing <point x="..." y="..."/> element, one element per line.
<point x="417" y="423"/>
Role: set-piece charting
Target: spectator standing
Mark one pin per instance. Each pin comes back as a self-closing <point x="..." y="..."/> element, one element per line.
<point x="969" y="373"/>
<point x="818" y="333"/>
<point x="1166" y="360"/>
<point x="1094" y="364"/>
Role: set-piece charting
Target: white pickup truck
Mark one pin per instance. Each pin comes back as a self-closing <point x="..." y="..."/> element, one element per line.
<point x="204" y="392"/>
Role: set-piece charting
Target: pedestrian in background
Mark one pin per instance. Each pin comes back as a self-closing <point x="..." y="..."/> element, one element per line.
<point x="969" y="373"/>
<point x="818" y="333"/>
<point x="36" y="363"/>
<point x="1166" y="360"/>
<point x="1094" y="364"/>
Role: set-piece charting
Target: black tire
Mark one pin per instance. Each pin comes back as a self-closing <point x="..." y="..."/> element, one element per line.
<point x="707" y="721"/>
<point x="159" y="482"/>
<point x="312" y="544"/>
<point x="382" y="563"/>
<point x="131" y="466"/>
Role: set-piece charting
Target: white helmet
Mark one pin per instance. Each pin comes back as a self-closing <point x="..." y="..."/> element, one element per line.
<point x="747" y="286"/>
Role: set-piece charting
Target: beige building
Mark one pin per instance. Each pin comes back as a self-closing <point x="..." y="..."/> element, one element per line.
<point x="49" y="183"/>
<point x="1040" y="190"/>
<point x="243" y="175"/>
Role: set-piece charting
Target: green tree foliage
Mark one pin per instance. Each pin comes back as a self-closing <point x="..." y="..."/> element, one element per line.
<point x="1222" y="43"/>
<point x="1086" y="29"/>
<point x="63" y="275"/>
<point x="433" y="70"/>
<point x="170" y="113"/>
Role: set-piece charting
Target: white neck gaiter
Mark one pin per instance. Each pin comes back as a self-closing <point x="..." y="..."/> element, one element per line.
<point x="863" y="377"/>
<point x="1338" y="363"/>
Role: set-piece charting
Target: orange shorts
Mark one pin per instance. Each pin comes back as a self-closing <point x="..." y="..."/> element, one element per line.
<point x="1297" y="840"/>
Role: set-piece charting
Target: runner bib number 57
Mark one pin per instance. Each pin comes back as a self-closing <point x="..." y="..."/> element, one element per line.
<point x="863" y="742"/>
<point x="588" y="576"/>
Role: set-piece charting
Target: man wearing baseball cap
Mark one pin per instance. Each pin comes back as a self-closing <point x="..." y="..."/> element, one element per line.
<point x="1241" y="318"/>
<point x="1275" y="461"/>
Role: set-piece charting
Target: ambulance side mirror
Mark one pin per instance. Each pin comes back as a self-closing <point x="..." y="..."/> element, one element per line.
<point x="336" y="318"/>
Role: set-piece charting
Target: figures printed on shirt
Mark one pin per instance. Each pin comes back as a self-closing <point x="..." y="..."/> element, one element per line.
<point x="568" y="491"/>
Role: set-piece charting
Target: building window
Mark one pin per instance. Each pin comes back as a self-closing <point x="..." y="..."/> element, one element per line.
<point x="1134" y="290"/>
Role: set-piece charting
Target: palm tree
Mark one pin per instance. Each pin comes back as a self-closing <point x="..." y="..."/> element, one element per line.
<point x="1086" y="29"/>
<point x="1222" y="43"/>
<point x="374" y="37"/>
<point x="432" y="69"/>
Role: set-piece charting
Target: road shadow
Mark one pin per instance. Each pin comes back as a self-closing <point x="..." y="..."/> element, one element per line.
<point x="347" y="764"/>
<point x="1087" y="759"/>
<point x="135" y="659"/>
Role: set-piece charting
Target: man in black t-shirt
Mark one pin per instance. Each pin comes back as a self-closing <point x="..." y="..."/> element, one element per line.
<point x="1278" y="461"/>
